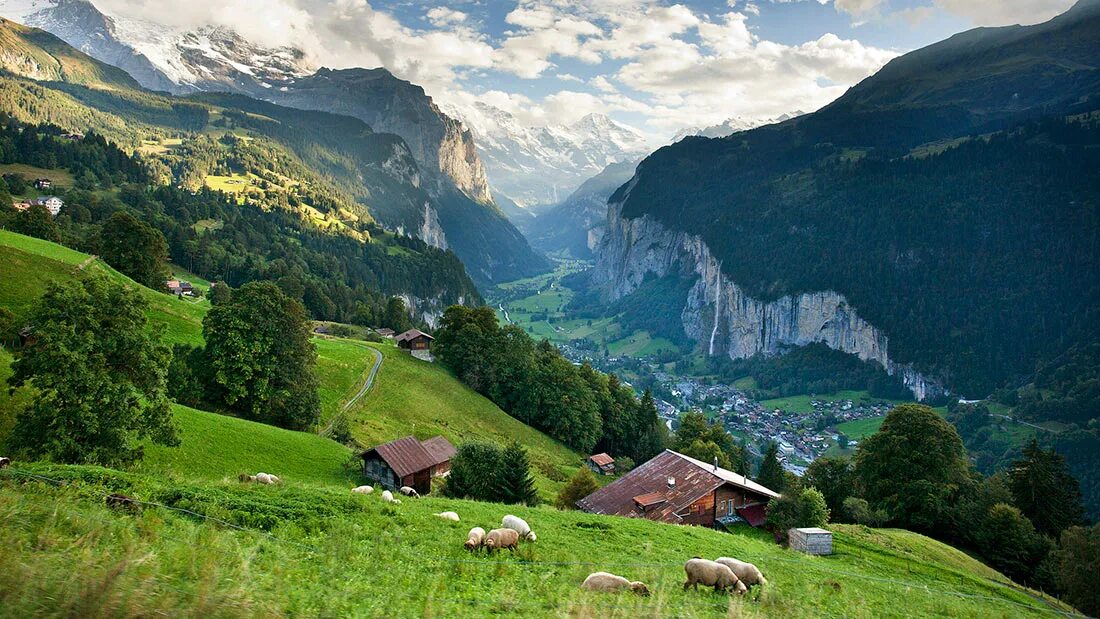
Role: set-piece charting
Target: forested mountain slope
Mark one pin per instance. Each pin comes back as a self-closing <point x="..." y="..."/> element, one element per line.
<point x="968" y="256"/>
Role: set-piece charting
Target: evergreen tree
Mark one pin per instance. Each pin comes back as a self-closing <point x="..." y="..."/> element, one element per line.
<point x="515" y="483"/>
<point x="770" y="473"/>
<point x="260" y="356"/>
<point x="1078" y="568"/>
<point x="833" y="477"/>
<point x="581" y="485"/>
<point x="474" y="471"/>
<point x="1045" y="491"/>
<point x="98" y="377"/>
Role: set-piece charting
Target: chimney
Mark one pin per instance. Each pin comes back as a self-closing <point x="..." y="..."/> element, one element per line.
<point x="715" y="464"/>
<point x="671" y="482"/>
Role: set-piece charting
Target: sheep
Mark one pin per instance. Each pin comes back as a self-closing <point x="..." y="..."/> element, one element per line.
<point x="519" y="525"/>
<point x="475" y="539"/>
<point x="266" y="478"/>
<point x="5" y="462"/>
<point x="502" y="538"/>
<point x="409" y="492"/>
<point x="245" y="478"/>
<point x="745" y="572"/>
<point x="603" y="581"/>
<point x="363" y="489"/>
<point x="452" y="516"/>
<point x="711" y="574"/>
<point x="387" y="496"/>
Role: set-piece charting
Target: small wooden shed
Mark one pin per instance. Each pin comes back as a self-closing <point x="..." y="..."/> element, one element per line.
<point x="601" y="464"/>
<point x="414" y="339"/>
<point x="811" y="540"/>
<point x="408" y="462"/>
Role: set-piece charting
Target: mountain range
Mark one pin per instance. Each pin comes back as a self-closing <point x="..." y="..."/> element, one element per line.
<point x="537" y="167"/>
<point x="733" y="125"/>
<point x="461" y="214"/>
<point x="925" y="220"/>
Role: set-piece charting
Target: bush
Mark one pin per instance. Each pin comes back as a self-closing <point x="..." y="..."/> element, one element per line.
<point x="859" y="511"/>
<point x="796" y="510"/>
<point x="582" y="485"/>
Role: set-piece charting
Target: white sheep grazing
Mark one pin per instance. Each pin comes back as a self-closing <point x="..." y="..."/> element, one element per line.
<point x="746" y="572"/>
<point x="5" y="462"/>
<point x="603" y="581"/>
<point x="712" y="574"/>
<point x="409" y="491"/>
<point x="363" y="489"/>
<point x="264" y="478"/>
<point x="387" y="496"/>
<point x="452" y="516"/>
<point x="519" y="525"/>
<point x="475" y="539"/>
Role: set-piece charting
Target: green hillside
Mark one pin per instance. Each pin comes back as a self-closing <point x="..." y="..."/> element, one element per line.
<point x="408" y="397"/>
<point x="325" y="551"/>
<point x="41" y="55"/>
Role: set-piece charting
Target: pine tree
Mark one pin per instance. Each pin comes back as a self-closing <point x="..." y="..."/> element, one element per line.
<point x="515" y="483"/>
<point x="1045" y="491"/>
<point x="770" y="473"/>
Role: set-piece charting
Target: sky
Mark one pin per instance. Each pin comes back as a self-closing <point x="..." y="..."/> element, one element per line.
<point x="657" y="66"/>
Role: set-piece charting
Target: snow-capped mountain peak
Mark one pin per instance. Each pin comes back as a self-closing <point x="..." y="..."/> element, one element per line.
<point x="733" y="125"/>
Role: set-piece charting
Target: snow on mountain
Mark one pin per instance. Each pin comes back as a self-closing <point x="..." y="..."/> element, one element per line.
<point x="733" y="125"/>
<point x="539" y="166"/>
<point x="160" y="57"/>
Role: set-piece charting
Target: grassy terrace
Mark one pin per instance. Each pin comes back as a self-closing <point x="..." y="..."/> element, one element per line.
<point x="336" y="554"/>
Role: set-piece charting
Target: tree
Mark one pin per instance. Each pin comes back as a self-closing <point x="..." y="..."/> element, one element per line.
<point x="397" y="315"/>
<point x="581" y="485"/>
<point x="770" y="473"/>
<point x="260" y="356"/>
<point x="220" y="293"/>
<point x="701" y="440"/>
<point x="99" y="376"/>
<point x="857" y="510"/>
<point x="795" y="510"/>
<point x="1078" y="568"/>
<point x="1045" y="491"/>
<point x="833" y="477"/>
<point x="474" y="472"/>
<point x="812" y="509"/>
<point x="1010" y="544"/>
<point x="134" y="248"/>
<point x="36" y="221"/>
<point x="912" y="467"/>
<point x="515" y="484"/>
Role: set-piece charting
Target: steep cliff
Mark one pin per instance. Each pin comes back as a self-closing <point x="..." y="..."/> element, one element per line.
<point x="721" y="317"/>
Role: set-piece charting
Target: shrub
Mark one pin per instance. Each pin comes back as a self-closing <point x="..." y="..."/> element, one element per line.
<point x="859" y="511"/>
<point x="582" y="485"/>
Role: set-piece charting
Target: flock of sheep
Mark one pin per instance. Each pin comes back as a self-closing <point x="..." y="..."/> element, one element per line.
<point x="724" y="574"/>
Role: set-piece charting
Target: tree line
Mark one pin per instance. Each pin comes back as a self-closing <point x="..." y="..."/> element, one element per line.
<point x="583" y="408"/>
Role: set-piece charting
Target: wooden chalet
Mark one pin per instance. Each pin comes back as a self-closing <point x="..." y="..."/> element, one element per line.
<point x="408" y="462"/>
<point x="601" y="464"/>
<point x="678" y="489"/>
<point x="414" y="339"/>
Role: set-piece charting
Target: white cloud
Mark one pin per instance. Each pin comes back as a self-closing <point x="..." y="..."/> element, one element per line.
<point x="1005" y="12"/>
<point x="442" y="16"/>
<point x="857" y="8"/>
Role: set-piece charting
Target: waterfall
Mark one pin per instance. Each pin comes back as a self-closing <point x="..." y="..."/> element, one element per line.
<point x="717" y="299"/>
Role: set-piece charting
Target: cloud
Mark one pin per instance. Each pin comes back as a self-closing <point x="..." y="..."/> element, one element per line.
<point x="1005" y="12"/>
<point x="442" y="16"/>
<point x="857" y="8"/>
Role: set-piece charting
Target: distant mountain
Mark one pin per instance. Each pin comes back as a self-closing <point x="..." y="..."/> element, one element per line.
<point x="733" y="125"/>
<point x="577" y="224"/>
<point x="926" y="220"/>
<point x="219" y="60"/>
<point x="538" y="167"/>
<point x="42" y="56"/>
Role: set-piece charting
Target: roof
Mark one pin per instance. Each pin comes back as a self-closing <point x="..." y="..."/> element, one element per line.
<point x="412" y="334"/>
<point x="692" y="480"/>
<point x="440" y="449"/>
<point x="405" y="456"/>
<point x="813" y="531"/>
<point x="601" y="459"/>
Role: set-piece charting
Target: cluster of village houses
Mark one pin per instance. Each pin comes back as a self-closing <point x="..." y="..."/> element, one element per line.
<point x="53" y="204"/>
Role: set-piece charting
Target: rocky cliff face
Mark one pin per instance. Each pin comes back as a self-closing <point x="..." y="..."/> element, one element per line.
<point x="721" y="316"/>
<point x="442" y="147"/>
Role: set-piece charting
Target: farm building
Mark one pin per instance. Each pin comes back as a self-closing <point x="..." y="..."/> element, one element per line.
<point x="52" y="204"/>
<point x="42" y="183"/>
<point x="601" y="464"/>
<point x="384" y="332"/>
<point x="678" y="489"/>
<point x="408" y="462"/>
<point x="414" y="339"/>
<point x="179" y="287"/>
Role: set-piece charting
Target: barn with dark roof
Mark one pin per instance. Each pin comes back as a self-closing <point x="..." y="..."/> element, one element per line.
<point x="408" y="462"/>
<point x="679" y="489"/>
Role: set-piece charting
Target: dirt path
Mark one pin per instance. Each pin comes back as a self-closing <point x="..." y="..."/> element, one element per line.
<point x="367" y="384"/>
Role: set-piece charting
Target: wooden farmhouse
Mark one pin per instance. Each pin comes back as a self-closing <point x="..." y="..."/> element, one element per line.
<point x="408" y="462"/>
<point x="677" y="489"/>
<point x="601" y="464"/>
<point x="414" y="339"/>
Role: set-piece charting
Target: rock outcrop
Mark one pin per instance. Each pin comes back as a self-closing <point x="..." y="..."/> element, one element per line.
<point x="721" y="316"/>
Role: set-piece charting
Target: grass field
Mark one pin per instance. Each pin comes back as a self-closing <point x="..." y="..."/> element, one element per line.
<point x="415" y="397"/>
<point x="215" y="447"/>
<point x="60" y="178"/>
<point x="332" y="553"/>
<point x="801" y="403"/>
